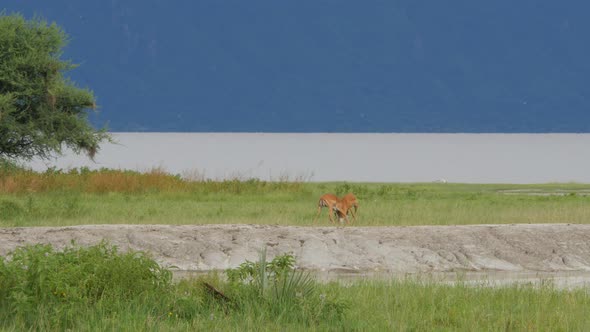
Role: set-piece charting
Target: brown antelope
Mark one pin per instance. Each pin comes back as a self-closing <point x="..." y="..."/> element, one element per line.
<point x="332" y="202"/>
<point x="350" y="202"/>
<point x="339" y="206"/>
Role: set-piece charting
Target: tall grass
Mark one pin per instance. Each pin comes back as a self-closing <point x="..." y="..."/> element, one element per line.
<point x="98" y="288"/>
<point x="17" y="180"/>
<point x="82" y="196"/>
<point x="412" y="305"/>
<point x="43" y="289"/>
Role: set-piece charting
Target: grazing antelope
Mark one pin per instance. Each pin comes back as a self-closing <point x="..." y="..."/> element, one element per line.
<point x="350" y="202"/>
<point x="332" y="202"/>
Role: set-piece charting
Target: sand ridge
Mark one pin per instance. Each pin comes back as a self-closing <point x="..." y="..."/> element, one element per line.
<point x="412" y="249"/>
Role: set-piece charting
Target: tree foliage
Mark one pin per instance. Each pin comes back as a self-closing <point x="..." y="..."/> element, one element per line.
<point x="41" y="111"/>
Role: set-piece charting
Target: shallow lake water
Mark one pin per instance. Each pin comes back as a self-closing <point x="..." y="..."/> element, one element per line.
<point x="467" y="158"/>
<point x="559" y="280"/>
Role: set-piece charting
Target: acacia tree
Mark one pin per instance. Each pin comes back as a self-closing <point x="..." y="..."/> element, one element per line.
<point x="41" y="111"/>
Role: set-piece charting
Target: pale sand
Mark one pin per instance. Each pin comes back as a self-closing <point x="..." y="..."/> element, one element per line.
<point x="552" y="250"/>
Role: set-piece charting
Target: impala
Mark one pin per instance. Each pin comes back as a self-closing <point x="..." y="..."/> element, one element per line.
<point x="333" y="203"/>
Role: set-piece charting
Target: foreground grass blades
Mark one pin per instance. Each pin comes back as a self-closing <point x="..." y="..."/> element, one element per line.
<point x="88" y="288"/>
<point x="99" y="288"/>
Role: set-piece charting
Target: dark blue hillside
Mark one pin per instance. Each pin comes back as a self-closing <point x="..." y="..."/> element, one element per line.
<point x="330" y="65"/>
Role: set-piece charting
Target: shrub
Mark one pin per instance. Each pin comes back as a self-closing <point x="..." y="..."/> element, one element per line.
<point x="37" y="281"/>
<point x="85" y="288"/>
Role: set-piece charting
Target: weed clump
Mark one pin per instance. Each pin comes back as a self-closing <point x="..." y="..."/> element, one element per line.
<point x="277" y="289"/>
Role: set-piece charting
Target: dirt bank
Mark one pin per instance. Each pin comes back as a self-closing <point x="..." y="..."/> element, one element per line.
<point x="516" y="248"/>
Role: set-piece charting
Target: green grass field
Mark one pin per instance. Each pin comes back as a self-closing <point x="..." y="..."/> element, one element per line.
<point x="101" y="290"/>
<point x="256" y="202"/>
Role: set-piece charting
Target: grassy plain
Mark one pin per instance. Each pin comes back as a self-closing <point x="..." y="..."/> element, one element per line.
<point x="57" y="198"/>
<point x="99" y="289"/>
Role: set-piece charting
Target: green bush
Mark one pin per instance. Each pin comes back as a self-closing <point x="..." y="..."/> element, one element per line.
<point x="36" y="281"/>
<point x="91" y="288"/>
